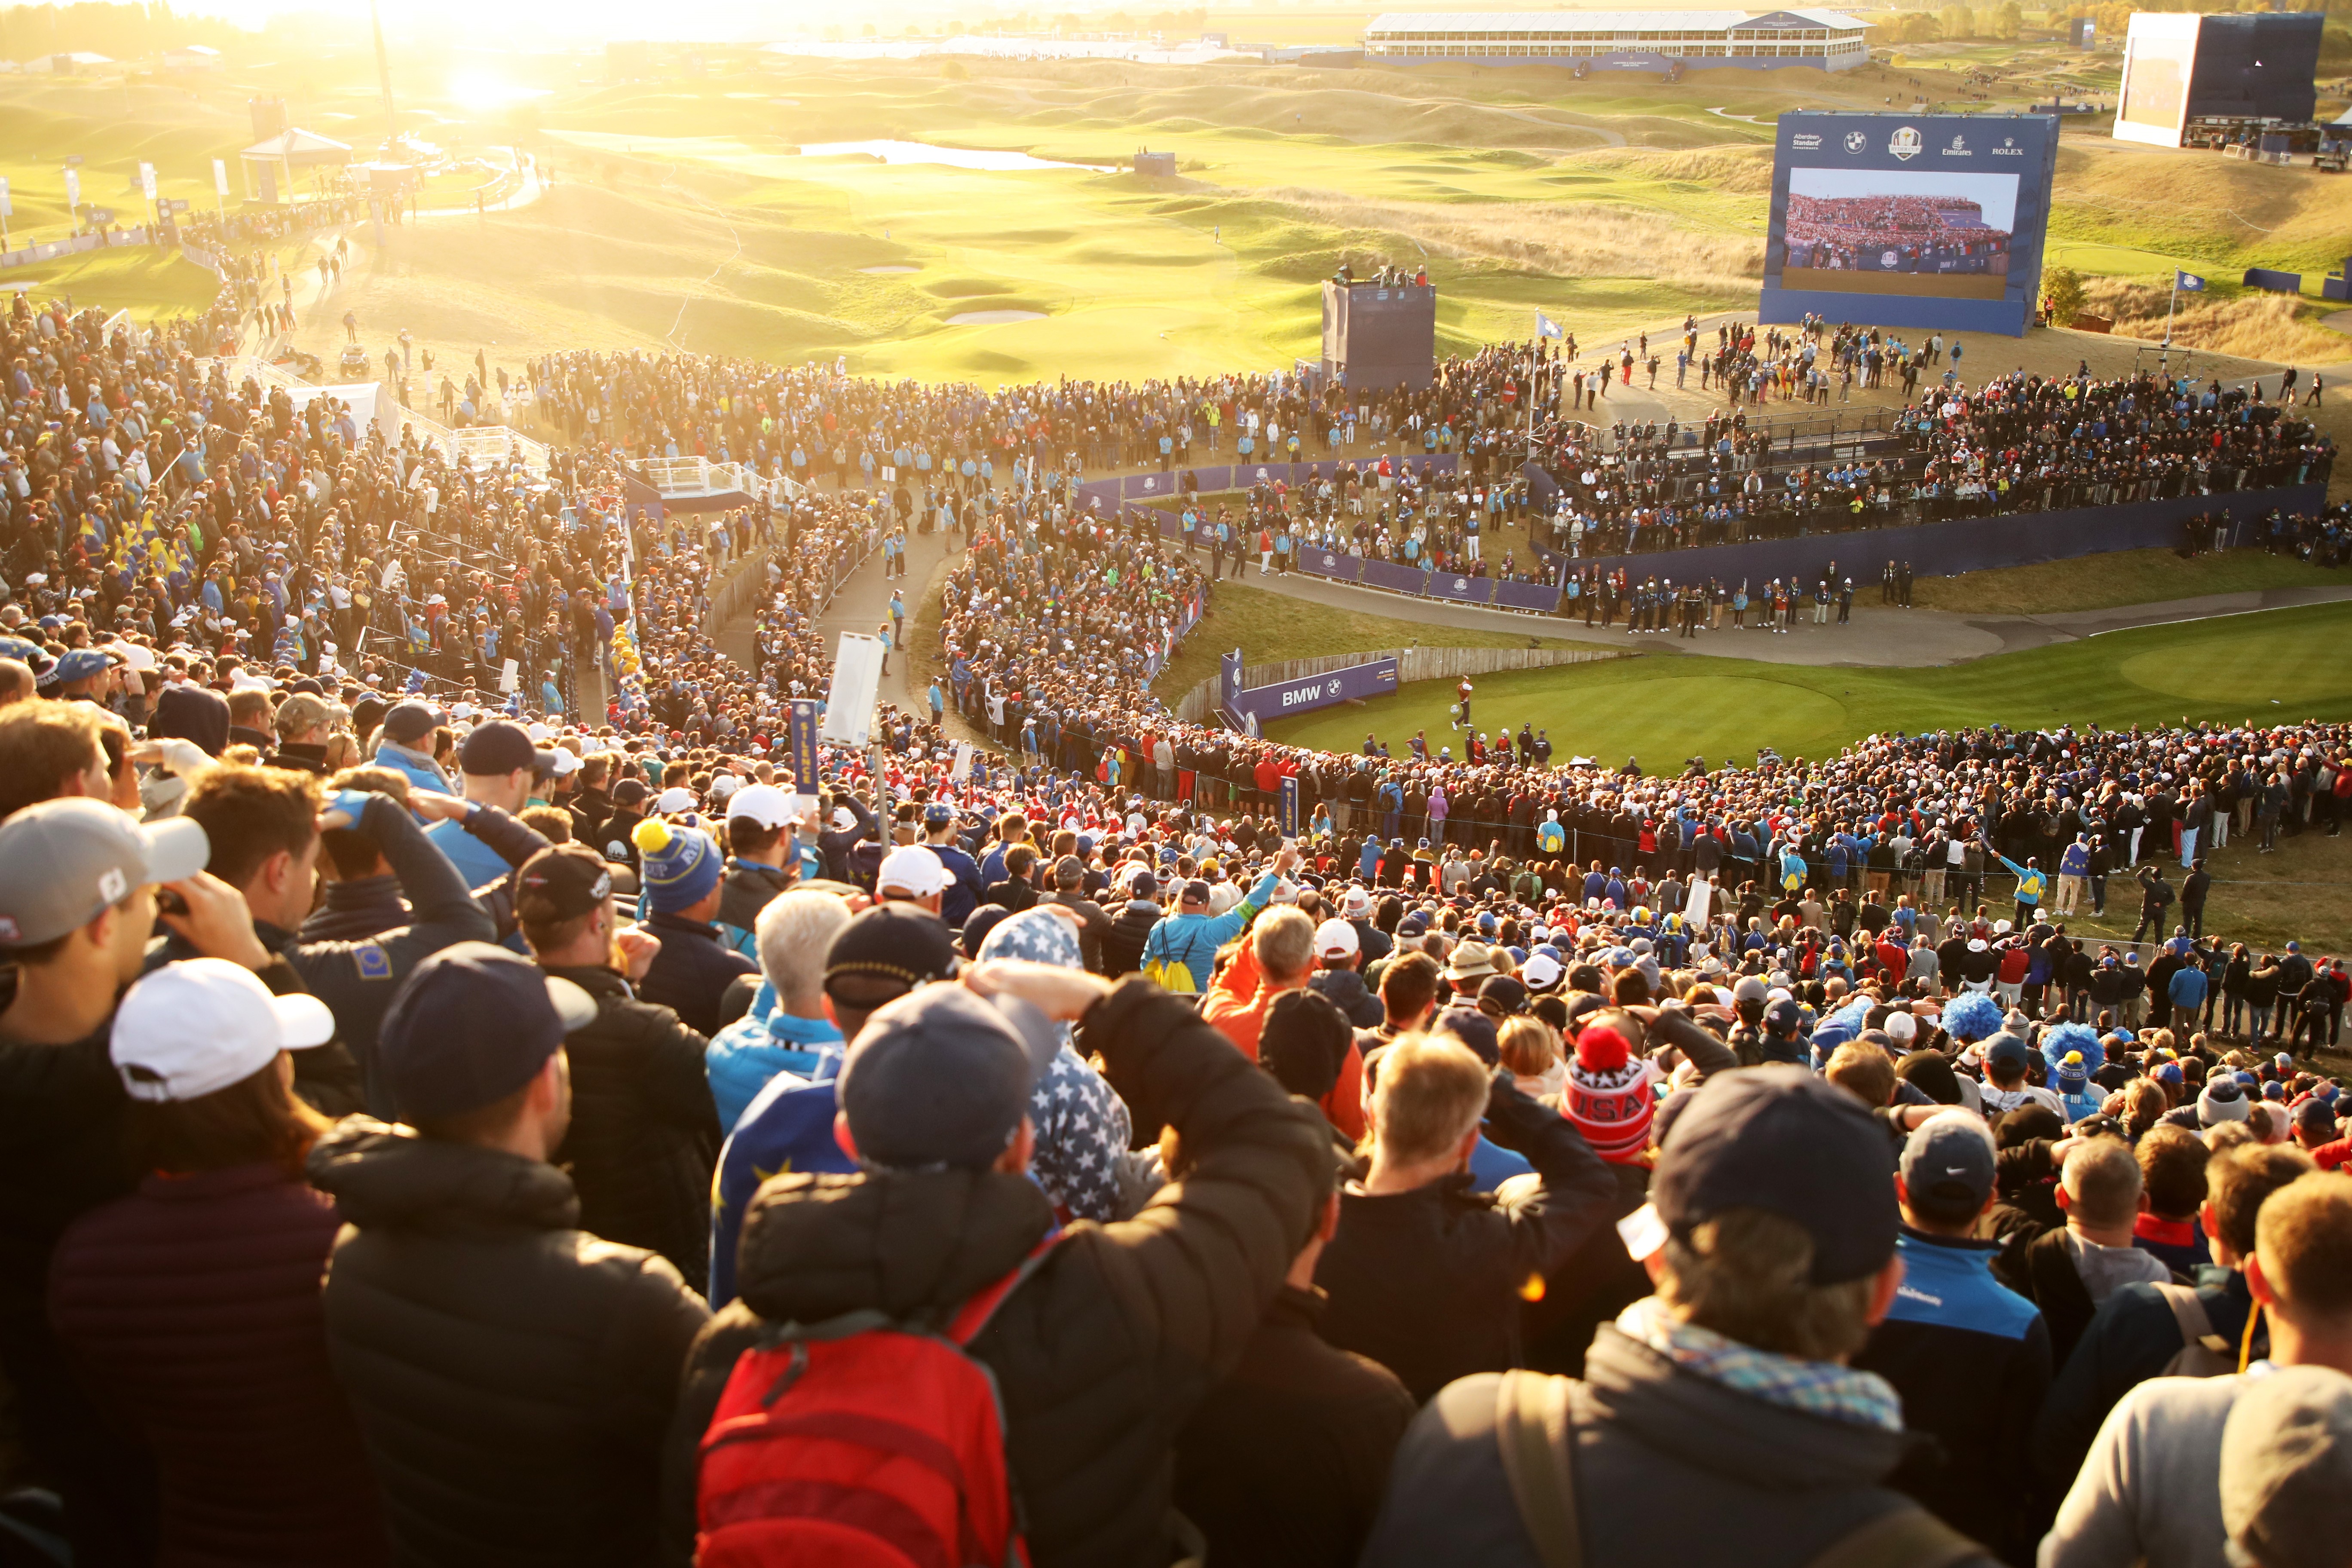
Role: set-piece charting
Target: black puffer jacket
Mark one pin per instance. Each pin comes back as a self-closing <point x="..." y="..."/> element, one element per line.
<point x="1102" y="1352"/>
<point x="512" y="1376"/>
<point x="1131" y="928"/>
<point x="645" y="1134"/>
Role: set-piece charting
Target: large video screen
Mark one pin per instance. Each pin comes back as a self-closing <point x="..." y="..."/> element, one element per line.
<point x="1930" y="221"/>
<point x="2159" y="62"/>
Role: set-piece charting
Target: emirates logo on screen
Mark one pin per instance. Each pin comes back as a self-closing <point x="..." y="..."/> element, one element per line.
<point x="1905" y="143"/>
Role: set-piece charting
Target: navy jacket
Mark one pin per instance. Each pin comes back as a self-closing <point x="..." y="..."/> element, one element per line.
<point x="1972" y="1358"/>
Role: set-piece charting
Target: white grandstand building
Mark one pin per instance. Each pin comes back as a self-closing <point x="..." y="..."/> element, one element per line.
<point x="1622" y="40"/>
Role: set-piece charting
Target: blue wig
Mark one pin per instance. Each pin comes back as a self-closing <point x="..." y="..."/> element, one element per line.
<point x="2068" y="1037"/>
<point x="1972" y="1017"/>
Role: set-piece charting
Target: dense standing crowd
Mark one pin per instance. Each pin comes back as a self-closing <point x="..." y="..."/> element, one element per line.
<point x="480" y="1130"/>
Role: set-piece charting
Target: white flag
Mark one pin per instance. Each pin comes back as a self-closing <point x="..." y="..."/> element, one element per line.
<point x="1545" y="327"/>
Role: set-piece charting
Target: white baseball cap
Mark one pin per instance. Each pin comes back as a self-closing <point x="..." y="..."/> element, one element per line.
<point x="1541" y="971"/>
<point x="191" y="1028"/>
<point x="1336" y="939"/>
<point x="912" y="868"/>
<point x="677" y="797"/>
<point x="566" y="762"/>
<point x="763" y="804"/>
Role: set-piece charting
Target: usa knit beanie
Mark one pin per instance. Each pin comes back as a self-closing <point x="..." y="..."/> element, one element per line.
<point x="680" y="864"/>
<point x="1609" y="1095"/>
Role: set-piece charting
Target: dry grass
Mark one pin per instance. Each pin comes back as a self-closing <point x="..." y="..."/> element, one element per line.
<point x="1737" y="171"/>
<point x="1578" y="240"/>
<point x="2254" y="326"/>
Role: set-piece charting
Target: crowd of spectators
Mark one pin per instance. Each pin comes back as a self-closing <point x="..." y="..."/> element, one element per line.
<point x="1923" y="234"/>
<point x="1519" y="1155"/>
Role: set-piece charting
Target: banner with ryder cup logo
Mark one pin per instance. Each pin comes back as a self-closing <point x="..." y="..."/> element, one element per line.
<point x="1928" y="221"/>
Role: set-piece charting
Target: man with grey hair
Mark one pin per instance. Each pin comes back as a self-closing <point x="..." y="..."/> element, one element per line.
<point x="787" y="1029"/>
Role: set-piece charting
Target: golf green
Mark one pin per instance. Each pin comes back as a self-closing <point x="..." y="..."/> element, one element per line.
<point x="1661" y="707"/>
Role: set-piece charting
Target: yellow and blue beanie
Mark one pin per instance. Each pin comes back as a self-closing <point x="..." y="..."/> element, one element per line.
<point x="680" y="864"/>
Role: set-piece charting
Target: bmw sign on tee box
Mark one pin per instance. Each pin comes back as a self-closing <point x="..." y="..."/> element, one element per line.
<point x="1928" y="221"/>
<point x="1352" y="682"/>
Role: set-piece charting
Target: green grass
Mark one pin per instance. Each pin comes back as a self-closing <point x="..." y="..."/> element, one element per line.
<point x="1663" y="708"/>
<point x="2122" y="577"/>
<point x="1267" y="627"/>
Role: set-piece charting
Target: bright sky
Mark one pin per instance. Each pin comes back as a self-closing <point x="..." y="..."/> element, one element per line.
<point x="549" y="22"/>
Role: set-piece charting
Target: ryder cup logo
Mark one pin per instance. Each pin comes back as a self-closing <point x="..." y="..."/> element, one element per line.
<point x="1330" y="561"/>
<point x="1856" y="141"/>
<point x="1905" y="143"/>
<point x="1462" y="585"/>
<point x="1151" y="484"/>
<point x="1887" y="259"/>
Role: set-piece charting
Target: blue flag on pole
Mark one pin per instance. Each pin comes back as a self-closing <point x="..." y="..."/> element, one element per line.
<point x="1545" y="327"/>
<point x="2188" y="282"/>
<point x="415" y="680"/>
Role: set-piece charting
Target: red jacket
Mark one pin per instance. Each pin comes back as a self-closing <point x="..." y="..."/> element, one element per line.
<point x="192" y="1309"/>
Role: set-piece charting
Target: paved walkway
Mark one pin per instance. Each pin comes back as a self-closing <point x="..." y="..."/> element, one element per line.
<point x="1877" y="636"/>
<point x="862" y="605"/>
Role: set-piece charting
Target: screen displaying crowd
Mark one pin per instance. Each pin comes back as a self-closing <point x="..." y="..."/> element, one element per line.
<point x="1893" y="234"/>
<point x="440" y="1125"/>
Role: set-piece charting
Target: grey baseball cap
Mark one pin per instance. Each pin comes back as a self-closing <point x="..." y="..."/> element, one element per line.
<point x="941" y="1077"/>
<point x="62" y="861"/>
<point x="2287" y="1470"/>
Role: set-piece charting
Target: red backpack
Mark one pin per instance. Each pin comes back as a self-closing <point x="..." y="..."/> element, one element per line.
<point x="861" y="1442"/>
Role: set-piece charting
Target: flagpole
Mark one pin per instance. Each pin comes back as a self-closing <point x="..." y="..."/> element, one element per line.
<point x="2164" y="356"/>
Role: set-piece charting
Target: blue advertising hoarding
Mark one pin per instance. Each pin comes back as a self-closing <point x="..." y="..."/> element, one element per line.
<point x="1932" y="221"/>
<point x="1350" y="683"/>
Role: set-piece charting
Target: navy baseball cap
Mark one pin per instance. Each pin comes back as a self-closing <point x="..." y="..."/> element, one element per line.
<point x="502" y="746"/>
<point x="938" y="813"/>
<point x="941" y="1077"/>
<point x="1776" y="1138"/>
<point x="1947" y="1167"/>
<point x="471" y="1025"/>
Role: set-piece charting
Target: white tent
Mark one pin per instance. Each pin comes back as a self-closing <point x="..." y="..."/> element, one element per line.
<point x="273" y="163"/>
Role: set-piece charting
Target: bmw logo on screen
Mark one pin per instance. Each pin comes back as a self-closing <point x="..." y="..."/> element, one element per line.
<point x="1856" y="141"/>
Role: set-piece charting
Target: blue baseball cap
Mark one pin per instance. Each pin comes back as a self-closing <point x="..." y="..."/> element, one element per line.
<point x="28" y="652"/>
<point x="471" y="1025"/>
<point x="79" y="664"/>
<point x="938" y="813"/>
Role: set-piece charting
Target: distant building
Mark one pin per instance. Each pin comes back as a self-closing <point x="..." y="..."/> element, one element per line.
<point x="193" y="58"/>
<point x="1622" y="40"/>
